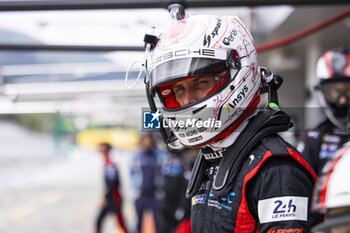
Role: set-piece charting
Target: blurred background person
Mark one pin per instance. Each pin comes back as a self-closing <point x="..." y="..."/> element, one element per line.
<point x="175" y="208"/>
<point x="146" y="176"/>
<point x="333" y="74"/>
<point x="112" y="200"/>
<point x="332" y="194"/>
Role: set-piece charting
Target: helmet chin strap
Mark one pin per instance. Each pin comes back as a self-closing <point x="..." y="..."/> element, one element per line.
<point x="271" y="85"/>
<point x="170" y="139"/>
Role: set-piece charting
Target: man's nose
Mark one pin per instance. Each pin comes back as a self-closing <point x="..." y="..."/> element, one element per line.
<point x="190" y="97"/>
<point x="342" y="100"/>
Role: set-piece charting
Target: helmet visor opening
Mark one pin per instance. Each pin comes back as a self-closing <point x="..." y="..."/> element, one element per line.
<point x="173" y="70"/>
<point x="334" y="91"/>
<point x="190" y="90"/>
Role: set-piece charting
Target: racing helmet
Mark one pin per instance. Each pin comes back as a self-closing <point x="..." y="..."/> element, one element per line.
<point x="332" y="193"/>
<point x="333" y="73"/>
<point x="219" y="50"/>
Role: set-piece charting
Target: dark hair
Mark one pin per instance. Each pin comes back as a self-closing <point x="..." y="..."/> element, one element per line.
<point x="148" y="135"/>
<point x="106" y="145"/>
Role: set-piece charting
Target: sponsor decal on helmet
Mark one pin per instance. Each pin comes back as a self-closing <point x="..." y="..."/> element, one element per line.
<point x="183" y="53"/>
<point x="166" y="92"/>
<point x="196" y="139"/>
<point x="240" y="96"/>
<point x="227" y="40"/>
<point x="215" y="32"/>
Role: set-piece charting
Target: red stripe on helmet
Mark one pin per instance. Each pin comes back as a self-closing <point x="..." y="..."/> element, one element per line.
<point x="328" y="60"/>
<point x="347" y="66"/>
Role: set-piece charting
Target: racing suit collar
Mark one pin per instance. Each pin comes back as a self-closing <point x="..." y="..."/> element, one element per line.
<point x="229" y="140"/>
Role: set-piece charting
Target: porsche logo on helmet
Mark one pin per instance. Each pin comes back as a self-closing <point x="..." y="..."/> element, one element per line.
<point x="184" y="53"/>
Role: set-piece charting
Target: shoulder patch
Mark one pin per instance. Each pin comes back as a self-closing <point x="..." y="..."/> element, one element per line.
<point x="283" y="209"/>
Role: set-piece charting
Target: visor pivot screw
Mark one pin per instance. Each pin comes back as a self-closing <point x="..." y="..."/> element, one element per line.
<point x="232" y="87"/>
<point x="177" y="12"/>
<point x="234" y="55"/>
<point x="235" y="60"/>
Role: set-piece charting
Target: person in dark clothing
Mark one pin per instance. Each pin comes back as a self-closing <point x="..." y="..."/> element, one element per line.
<point x="333" y="73"/>
<point x="246" y="178"/>
<point x="174" y="207"/>
<point x="112" y="200"/>
<point x="146" y="175"/>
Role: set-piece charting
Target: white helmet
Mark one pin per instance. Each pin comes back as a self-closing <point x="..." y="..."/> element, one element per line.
<point x="332" y="192"/>
<point x="333" y="73"/>
<point x="205" y="45"/>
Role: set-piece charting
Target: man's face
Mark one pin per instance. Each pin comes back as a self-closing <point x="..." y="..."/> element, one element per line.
<point x="338" y="93"/>
<point x="341" y="92"/>
<point x="147" y="142"/>
<point x="103" y="149"/>
<point x="192" y="89"/>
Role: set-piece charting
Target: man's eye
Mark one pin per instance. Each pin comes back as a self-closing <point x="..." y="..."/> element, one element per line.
<point x="179" y="90"/>
<point x="201" y="84"/>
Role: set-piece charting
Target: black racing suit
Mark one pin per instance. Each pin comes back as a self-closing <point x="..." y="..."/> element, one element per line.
<point x="174" y="207"/>
<point x="271" y="193"/>
<point x="321" y="143"/>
